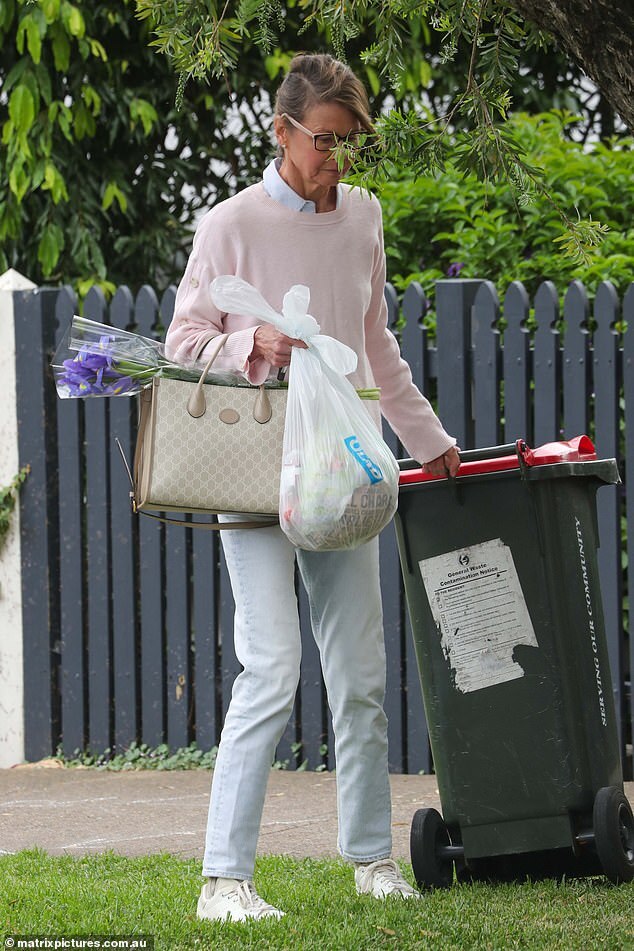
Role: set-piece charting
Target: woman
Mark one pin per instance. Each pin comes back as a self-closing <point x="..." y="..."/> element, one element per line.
<point x="301" y="225"/>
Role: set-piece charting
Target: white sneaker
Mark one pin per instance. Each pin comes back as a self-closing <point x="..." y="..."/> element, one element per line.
<point x="381" y="879"/>
<point x="228" y="899"/>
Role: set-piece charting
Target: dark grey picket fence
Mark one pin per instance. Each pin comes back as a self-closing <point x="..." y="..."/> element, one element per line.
<point x="128" y="624"/>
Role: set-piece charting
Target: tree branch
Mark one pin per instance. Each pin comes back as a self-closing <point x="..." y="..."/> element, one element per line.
<point x="599" y="36"/>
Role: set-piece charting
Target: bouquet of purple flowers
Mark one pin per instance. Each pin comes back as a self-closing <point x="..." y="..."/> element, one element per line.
<point x="94" y="359"/>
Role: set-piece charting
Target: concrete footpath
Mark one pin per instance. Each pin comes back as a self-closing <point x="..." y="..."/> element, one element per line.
<point x="71" y="811"/>
<point x="74" y="811"/>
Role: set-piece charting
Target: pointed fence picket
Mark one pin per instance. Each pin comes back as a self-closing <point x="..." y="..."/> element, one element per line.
<point x="516" y="363"/>
<point x="128" y="623"/>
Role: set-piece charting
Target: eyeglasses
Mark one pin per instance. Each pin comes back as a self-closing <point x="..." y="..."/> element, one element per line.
<point x="328" y="141"/>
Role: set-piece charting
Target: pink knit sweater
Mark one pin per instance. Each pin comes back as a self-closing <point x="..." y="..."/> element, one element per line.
<point x="339" y="256"/>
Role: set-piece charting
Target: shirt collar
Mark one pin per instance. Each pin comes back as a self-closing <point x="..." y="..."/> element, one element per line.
<point x="280" y="191"/>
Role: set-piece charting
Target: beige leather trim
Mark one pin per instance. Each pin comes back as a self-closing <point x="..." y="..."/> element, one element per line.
<point x="196" y="352"/>
<point x="196" y="405"/>
<point x="212" y="526"/>
<point x="262" y="411"/>
<point x="229" y="416"/>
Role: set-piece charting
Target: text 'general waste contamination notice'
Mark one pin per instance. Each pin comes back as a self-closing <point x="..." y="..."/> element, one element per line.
<point x="479" y="608"/>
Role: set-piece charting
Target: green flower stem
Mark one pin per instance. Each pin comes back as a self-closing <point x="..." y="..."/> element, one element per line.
<point x="173" y="372"/>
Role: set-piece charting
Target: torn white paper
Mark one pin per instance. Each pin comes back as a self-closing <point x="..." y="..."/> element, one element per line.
<point x="479" y="608"/>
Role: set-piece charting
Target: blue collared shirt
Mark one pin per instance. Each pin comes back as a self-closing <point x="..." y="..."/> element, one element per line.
<point x="277" y="189"/>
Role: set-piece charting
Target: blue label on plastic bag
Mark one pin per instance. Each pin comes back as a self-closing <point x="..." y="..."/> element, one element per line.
<point x="354" y="447"/>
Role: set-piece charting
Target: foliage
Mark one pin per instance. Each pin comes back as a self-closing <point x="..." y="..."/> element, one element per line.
<point x="142" y="756"/>
<point x="546" y="79"/>
<point x="156" y="895"/>
<point x="203" y="38"/>
<point x="7" y="502"/>
<point x="449" y="224"/>
<point x="100" y="176"/>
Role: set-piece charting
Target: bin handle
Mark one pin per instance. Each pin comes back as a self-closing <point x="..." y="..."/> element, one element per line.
<point x="469" y="455"/>
<point x="522" y="448"/>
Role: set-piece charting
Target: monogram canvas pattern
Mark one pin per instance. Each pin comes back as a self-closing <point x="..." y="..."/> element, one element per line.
<point x="211" y="465"/>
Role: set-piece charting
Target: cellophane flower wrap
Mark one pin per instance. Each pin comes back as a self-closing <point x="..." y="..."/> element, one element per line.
<point x="95" y="359"/>
<point x="339" y="479"/>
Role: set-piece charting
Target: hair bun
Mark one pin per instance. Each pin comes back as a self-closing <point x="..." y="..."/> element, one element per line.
<point x="319" y="77"/>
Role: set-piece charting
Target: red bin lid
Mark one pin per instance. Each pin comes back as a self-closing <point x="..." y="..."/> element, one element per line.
<point x="579" y="449"/>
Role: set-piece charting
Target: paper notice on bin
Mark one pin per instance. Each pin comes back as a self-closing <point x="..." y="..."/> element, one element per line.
<point x="480" y="612"/>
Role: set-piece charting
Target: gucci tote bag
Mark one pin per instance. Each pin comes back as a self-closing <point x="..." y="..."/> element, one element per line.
<point x="209" y="447"/>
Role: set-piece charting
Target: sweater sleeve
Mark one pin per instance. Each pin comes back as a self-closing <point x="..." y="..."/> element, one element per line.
<point x="408" y="412"/>
<point x="197" y="320"/>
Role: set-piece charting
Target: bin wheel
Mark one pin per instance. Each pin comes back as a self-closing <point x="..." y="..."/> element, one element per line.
<point x="613" y="823"/>
<point x="429" y="836"/>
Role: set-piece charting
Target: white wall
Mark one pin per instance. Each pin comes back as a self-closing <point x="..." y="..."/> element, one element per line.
<point x="11" y="657"/>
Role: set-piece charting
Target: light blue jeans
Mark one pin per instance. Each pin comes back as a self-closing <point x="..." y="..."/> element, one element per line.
<point x="345" y="604"/>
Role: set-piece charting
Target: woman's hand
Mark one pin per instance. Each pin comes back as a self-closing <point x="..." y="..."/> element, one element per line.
<point x="273" y="346"/>
<point x="445" y="465"/>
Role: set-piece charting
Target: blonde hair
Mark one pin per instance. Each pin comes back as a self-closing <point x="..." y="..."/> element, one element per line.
<point x="314" y="78"/>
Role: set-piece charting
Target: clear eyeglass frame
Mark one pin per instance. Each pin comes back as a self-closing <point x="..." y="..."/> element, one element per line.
<point x="329" y="141"/>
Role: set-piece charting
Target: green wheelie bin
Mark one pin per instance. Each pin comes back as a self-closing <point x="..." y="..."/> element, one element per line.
<point x="502" y="587"/>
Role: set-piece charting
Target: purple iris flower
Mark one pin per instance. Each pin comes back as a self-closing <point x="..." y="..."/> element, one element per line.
<point x="93" y="372"/>
<point x="454" y="269"/>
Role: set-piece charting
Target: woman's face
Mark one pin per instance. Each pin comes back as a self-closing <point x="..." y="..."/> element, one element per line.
<point x="304" y="168"/>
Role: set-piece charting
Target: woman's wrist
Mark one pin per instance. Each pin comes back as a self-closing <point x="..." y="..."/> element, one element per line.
<point x="254" y="354"/>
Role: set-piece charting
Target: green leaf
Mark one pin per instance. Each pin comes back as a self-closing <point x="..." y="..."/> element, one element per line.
<point x="7" y="501"/>
<point x="7" y="12"/>
<point x="145" y="111"/>
<point x="8" y="132"/>
<point x="373" y="80"/>
<point x="97" y="49"/>
<point x="50" y="247"/>
<point x="50" y="9"/>
<point x="92" y="99"/>
<point x="112" y="192"/>
<point x="15" y="74"/>
<point x="37" y="176"/>
<point x="425" y="73"/>
<point x="44" y="83"/>
<point x="22" y="108"/>
<point x="83" y="122"/>
<point x="33" y="27"/>
<point x="277" y="63"/>
<point x="55" y="183"/>
<point x="73" y="20"/>
<point x="19" y="181"/>
<point x="61" y="48"/>
<point x="10" y="219"/>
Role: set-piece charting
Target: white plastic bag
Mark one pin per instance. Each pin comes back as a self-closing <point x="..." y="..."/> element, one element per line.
<point x="339" y="483"/>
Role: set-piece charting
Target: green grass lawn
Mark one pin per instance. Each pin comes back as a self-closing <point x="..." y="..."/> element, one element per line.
<point x="156" y="895"/>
